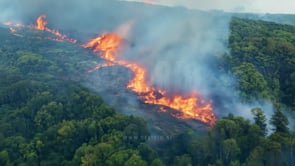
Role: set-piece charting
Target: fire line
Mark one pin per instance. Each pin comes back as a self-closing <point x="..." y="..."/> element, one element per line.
<point x="107" y="47"/>
<point x="191" y="107"/>
<point x="41" y="25"/>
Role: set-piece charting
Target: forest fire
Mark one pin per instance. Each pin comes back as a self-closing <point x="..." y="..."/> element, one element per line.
<point x="108" y="43"/>
<point x="190" y="107"/>
<point x="41" y="25"/>
<point x="107" y="47"/>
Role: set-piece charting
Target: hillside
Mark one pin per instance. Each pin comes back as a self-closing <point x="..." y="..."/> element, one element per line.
<point x="47" y="118"/>
<point x="49" y="115"/>
<point x="263" y="59"/>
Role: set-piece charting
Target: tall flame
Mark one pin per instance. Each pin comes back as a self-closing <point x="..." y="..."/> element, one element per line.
<point x="108" y="43"/>
<point x="190" y="107"/>
<point x="41" y="23"/>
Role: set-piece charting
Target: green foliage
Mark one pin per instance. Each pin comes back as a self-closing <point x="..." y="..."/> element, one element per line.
<point x="251" y="83"/>
<point x="184" y="160"/>
<point x="279" y="121"/>
<point x="135" y="160"/>
<point x="260" y="119"/>
<point x="262" y="57"/>
<point x="58" y="129"/>
<point x="232" y="141"/>
<point x="230" y="150"/>
<point x="49" y="119"/>
<point x="119" y="158"/>
<point x="157" y="162"/>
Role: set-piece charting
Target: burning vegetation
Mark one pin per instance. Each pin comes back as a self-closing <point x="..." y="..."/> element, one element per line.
<point x="41" y="25"/>
<point x="189" y="107"/>
<point x="107" y="46"/>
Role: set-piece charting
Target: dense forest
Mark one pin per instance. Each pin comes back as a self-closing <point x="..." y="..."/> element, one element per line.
<point x="48" y="118"/>
<point x="262" y="56"/>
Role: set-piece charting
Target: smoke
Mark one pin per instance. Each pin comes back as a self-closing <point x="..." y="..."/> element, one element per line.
<point x="179" y="47"/>
<point x="250" y="6"/>
<point x="86" y="15"/>
<point x="227" y="5"/>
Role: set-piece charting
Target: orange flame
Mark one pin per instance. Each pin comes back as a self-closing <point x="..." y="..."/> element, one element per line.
<point x="190" y="107"/>
<point x="41" y="23"/>
<point x="108" y="43"/>
<point x="12" y="30"/>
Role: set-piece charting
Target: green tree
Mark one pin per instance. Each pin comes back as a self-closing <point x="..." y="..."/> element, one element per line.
<point x="279" y="121"/>
<point x="183" y="160"/>
<point x="119" y="158"/>
<point x="270" y="48"/>
<point x="256" y="157"/>
<point x="274" y="152"/>
<point x="260" y="119"/>
<point x="157" y="162"/>
<point x="147" y="153"/>
<point x="251" y="83"/>
<point x="4" y="157"/>
<point x="135" y="160"/>
<point x="230" y="150"/>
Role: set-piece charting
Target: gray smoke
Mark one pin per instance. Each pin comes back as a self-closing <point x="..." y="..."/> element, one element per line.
<point x="179" y="47"/>
<point x="86" y="15"/>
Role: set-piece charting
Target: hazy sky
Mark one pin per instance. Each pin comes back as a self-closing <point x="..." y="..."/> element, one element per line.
<point x="256" y="6"/>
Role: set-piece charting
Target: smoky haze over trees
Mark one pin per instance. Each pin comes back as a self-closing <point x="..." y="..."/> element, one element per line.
<point x="48" y="117"/>
<point x="188" y="42"/>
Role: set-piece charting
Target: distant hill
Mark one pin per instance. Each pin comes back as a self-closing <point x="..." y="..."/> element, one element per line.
<point x="277" y="18"/>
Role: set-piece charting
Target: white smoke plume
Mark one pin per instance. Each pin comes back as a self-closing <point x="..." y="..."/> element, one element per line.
<point x="179" y="47"/>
